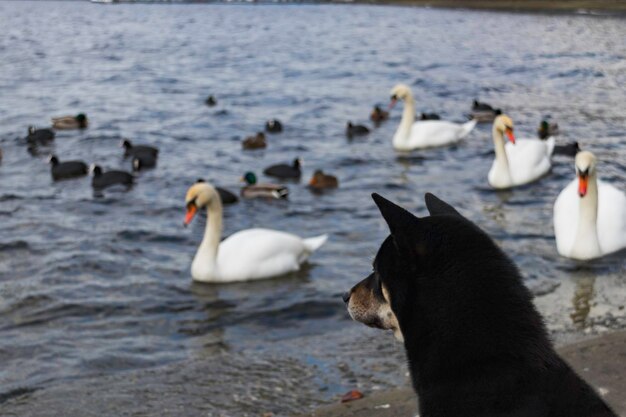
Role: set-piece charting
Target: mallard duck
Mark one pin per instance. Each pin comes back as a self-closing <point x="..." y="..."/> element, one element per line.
<point x="285" y="171"/>
<point x="254" y="190"/>
<point x="273" y="126"/>
<point x="132" y="150"/>
<point x="39" y="136"/>
<point x="255" y="142"/>
<point x="320" y="180"/>
<point x="379" y="115"/>
<point x="356" y="130"/>
<point x="210" y="101"/>
<point x="102" y="179"/>
<point x="67" y="169"/>
<point x="547" y="129"/>
<point x="79" y="121"/>
<point x="429" y="116"/>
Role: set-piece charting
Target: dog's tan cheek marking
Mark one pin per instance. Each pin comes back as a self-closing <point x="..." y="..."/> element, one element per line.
<point x="391" y="319"/>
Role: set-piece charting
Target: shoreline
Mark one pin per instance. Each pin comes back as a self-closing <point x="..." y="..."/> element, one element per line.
<point x="600" y="361"/>
<point x="605" y="6"/>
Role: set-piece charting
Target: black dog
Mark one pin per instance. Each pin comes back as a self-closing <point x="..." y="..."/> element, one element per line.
<point x="475" y="343"/>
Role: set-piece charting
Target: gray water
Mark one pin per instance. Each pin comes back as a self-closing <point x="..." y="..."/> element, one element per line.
<point x="98" y="313"/>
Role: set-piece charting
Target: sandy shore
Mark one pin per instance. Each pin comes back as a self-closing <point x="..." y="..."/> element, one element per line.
<point x="601" y="361"/>
<point x="521" y="5"/>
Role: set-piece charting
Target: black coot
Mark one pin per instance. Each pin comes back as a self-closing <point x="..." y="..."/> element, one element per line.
<point x="67" y="169"/>
<point x="210" y="101"/>
<point x="39" y="136"/>
<point x="132" y="150"/>
<point x="284" y="170"/>
<point x="102" y="180"/>
<point x="273" y="126"/>
<point x="143" y="161"/>
<point x="429" y="116"/>
<point x="226" y="196"/>
<point x="356" y="130"/>
<point x="569" y="149"/>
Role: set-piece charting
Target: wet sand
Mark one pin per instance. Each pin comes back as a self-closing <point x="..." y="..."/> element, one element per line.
<point x="600" y="361"/>
<point x="521" y="5"/>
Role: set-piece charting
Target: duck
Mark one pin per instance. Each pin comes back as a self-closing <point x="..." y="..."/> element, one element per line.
<point x="250" y="254"/>
<point x="227" y="197"/>
<point x="483" y="112"/>
<point x="320" y="180"/>
<point x="39" y="136"/>
<point x="130" y="149"/>
<point x="102" y="179"/>
<point x="568" y="149"/>
<point x="143" y="161"/>
<point x="589" y="214"/>
<point x="412" y="135"/>
<point x="210" y="101"/>
<point x="356" y="130"/>
<point x="429" y="116"/>
<point x="284" y="170"/>
<point x="67" y="169"/>
<point x="379" y="115"/>
<point x="252" y="189"/>
<point x="273" y="126"/>
<point x="255" y="142"/>
<point x="547" y="129"/>
<point x="79" y="121"/>
<point x="519" y="162"/>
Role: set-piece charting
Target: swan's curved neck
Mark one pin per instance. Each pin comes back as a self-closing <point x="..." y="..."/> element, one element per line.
<point x="503" y="174"/>
<point x="586" y="243"/>
<point x="207" y="251"/>
<point x="408" y="118"/>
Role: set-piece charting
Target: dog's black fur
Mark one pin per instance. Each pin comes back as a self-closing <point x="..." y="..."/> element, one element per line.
<point x="475" y="343"/>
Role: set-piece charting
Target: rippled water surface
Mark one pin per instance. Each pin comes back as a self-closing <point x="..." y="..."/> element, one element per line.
<point x="98" y="314"/>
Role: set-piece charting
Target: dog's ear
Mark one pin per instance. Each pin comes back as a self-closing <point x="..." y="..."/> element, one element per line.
<point x="397" y="218"/>
<point x="438" y="206"/>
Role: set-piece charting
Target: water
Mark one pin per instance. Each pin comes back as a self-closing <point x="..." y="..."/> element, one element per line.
<point x="98" y="314"/>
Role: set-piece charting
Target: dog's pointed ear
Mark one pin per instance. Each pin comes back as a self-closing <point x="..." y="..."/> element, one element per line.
<point x="438" y="206"/>
<point x="397" y="218"/>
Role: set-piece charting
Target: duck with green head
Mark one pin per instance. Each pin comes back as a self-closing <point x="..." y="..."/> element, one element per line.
<point x="79" y="121"/>
<point x="547" y="129"/>
<point x="253" y="189"/>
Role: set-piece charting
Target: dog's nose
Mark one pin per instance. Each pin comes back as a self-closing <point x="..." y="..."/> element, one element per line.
<point x="346" y="297"/>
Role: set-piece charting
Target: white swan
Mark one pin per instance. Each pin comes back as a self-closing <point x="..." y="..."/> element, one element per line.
<point x="518" y="162"/>
<point x="427" y="133"/>
<point x="246" y="255"/>
<point x="589" y="215"/>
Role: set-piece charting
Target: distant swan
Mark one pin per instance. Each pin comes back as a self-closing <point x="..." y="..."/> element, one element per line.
<point x="423" y="134"/>
<point x="589" y="215"/>
<point x="246" y="255"/>
<point x="519" y="162"/>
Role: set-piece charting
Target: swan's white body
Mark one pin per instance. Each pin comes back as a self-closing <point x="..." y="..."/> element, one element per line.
<point x="248" y="254"/>
<point x="427" y="133"/>
<point x="591" y="226"/>
<point x="521" y="163"/>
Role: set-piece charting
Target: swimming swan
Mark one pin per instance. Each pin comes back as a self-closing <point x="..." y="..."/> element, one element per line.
<point x="519" y="162"/>
<point x="589" y="215"/>
<point x="245" y="255"/>
<point x="423" y="134"/>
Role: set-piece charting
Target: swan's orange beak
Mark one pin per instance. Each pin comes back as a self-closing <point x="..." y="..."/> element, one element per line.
<point x="582" y="185"/>
<point x="191" y="211"/>
<point x="509" y="133"/>
<point x="392" y="103"/>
